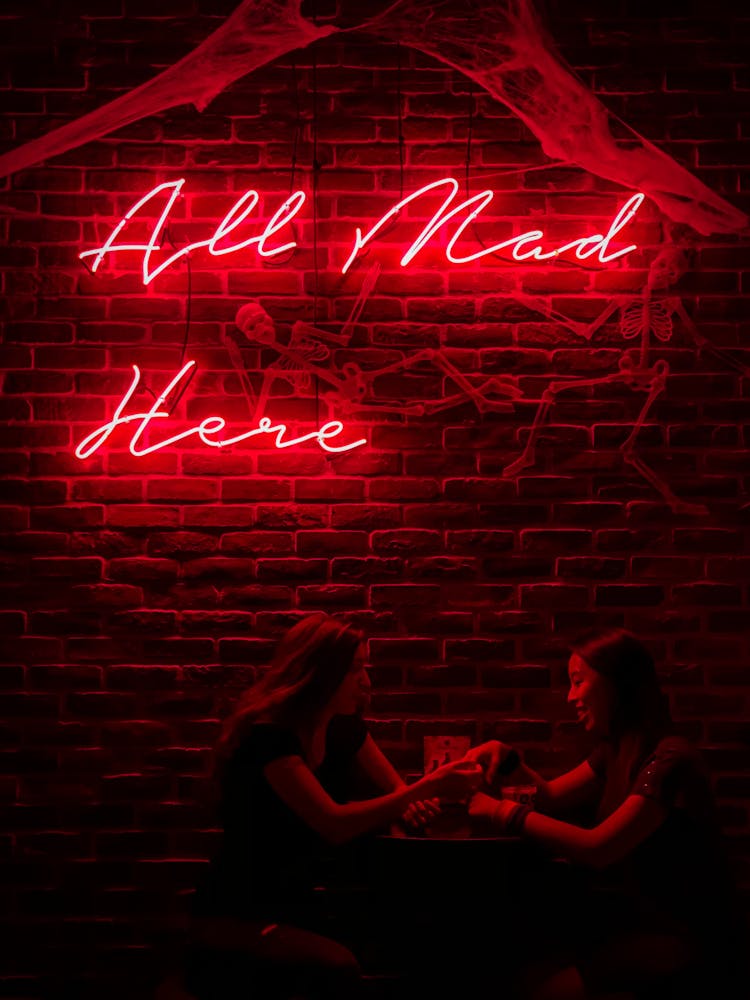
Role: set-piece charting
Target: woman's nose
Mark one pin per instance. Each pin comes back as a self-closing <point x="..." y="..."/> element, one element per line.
<point x="571" y="696"/>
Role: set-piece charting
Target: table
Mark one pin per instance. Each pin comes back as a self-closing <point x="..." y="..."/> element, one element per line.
<point x="446" y="906"/>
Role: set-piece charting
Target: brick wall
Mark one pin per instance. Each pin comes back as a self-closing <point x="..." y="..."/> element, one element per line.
<point x="142" y="594"/>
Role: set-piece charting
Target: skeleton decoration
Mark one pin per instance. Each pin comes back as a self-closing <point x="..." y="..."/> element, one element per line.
<point x="641" y="317"/>
<point x="504" y="48"/>
<point x="308" y="354"/>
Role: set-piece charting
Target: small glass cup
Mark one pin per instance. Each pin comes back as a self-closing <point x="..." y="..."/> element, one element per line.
<point x="525" y="795"/>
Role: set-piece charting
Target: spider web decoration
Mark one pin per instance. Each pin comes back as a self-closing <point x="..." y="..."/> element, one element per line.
<point x="501" y="45"/>
<point x="504" y="47"/>
<point x="255" y="34"/>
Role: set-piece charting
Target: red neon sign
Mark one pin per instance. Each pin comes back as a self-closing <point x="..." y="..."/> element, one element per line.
<point x="207" y="431"/>
<point x="585" y="246"/>
<point x="234" y="218"/>
<point x="525" y="247"/>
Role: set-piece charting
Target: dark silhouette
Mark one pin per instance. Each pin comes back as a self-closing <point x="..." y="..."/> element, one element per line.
<point x="258" y="928"/>
<point x="652" y="912"/>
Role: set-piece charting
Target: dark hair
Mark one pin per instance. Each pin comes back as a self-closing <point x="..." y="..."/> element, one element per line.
<point x="640" y="711"/>
<point x="639" y="701"/>
<point x="310" y="664"/>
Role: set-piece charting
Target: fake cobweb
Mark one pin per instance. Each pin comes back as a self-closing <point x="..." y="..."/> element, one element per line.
<point x="501" y="45"/>
<point x="504" y="47"/>
<point x="257" y="33"/>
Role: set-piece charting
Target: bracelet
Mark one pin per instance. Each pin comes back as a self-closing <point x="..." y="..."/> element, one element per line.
<point x="517" y="820"/>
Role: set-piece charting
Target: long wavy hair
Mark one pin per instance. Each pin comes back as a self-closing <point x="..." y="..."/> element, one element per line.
<point x="639" y="715"/>
<point x="310" y="663"/>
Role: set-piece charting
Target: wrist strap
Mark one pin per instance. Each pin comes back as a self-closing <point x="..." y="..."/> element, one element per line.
<point x="517" y="819"/>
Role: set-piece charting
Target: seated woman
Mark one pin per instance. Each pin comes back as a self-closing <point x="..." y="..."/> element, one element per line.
<point x="659" y="916"/>
<point x="293" y="735"/>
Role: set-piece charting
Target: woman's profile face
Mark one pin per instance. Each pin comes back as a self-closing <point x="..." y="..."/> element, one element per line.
<point x="592" y="695"/>
<point x="354" y="691"/>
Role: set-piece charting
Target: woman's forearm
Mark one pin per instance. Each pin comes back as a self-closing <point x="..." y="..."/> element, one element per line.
<point x="524" y="775"/>
<point x="355" y="818"/>
<point x="563" y="839"/>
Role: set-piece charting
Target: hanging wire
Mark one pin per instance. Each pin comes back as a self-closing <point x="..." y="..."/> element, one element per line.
<point x="469" y="135"/>
<point x="315" y="174"/>
<point x="401" y="141"/>
<point x="281" y="260"/>
<point x="297" y="124"/>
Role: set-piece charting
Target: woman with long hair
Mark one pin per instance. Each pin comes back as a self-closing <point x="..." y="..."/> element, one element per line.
<point x="283" y="758"/>
<point x="659" y="913"/>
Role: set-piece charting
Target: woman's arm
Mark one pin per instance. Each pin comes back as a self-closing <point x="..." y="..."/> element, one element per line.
<point x="612" y="840"/>
<point x="297" y="786"/>
<point x="373" y="762"/>
<point x="571" y="789"/>
<point x="574" y="788"/>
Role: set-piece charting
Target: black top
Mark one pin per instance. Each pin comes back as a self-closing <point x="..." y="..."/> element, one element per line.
<point x="266" y="867"/>
<point x="681" y="870"/>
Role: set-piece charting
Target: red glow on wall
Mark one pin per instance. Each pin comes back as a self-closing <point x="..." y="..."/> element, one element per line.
<point x="207" y="431"/>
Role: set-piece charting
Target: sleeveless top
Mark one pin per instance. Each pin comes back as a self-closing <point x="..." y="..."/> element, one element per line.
<point x="268" y="859"/>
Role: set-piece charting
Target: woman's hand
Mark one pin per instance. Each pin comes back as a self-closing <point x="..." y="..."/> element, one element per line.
<point x="453" y="782"/>
<point x="494" y="811"/>
<point x="420" y="814"/>
<point x="489" y="756"/>
<point x="482" y="806"/>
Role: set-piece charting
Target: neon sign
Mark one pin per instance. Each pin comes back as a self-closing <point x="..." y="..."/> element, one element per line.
<point x="234" y="218"/>
<point x="585" y="246"/>
<point x="525" y="247"/>
<point x="208" y="431"/>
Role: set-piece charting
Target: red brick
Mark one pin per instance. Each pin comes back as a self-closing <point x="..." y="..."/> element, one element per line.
<point x="272" y="570"/>
<point x="406" y="542"/>
<point x="369" y="570"/>
<point x="443" y="568"/>
<point x="331" y="543"/>
<point x="328" y="489"/>
<point x="404" y="596"/>
<point x="702" y="594"/>
<point x="478" y="704"/>
<point x="182" y="490"/>
<point x="258" y="543"/>
<point x="181" y="544"/>
<point x="332" y="597"/>
<point x="403" y="651"/>
<point x="143" y="571"/>
<point x="146" y="516"/>
<point x="551" y="596"/>
<point x="405" y="704"/>
<point x="107" y="595"/>
<point x="478" y="650"/>
<point x="592" y="568"/>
